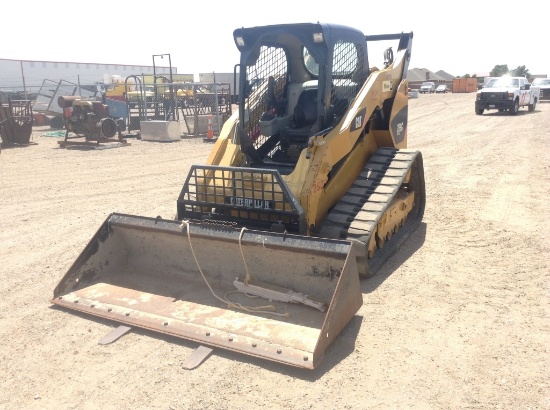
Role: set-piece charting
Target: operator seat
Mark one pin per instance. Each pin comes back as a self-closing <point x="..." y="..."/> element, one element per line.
<point x="294" y="138"/>
<point x="305" y="112"/>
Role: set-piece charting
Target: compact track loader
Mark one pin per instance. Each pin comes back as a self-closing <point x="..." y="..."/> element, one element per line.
<point x="308" y="187"/>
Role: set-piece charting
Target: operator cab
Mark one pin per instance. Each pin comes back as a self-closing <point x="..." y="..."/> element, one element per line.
<point x="296" y="81"/>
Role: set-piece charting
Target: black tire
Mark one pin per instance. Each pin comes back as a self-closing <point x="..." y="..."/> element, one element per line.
<point x="514" y="110"/>
<point x="479" y="111"/>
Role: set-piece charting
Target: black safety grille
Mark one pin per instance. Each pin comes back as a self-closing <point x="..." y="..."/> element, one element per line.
<point x="346" y="56"/>
<point x="242" y="196"/>
<point x="271" y="63"/>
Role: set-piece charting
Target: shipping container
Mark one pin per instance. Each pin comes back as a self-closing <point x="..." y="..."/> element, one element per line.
<point x="464" y="85"/>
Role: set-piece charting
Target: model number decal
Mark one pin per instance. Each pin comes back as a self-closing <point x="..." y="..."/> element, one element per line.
<point x="358" y="120"/>
<point x="399" y="128"/>
<point x="249" y="202"/>
<point x="399" y="125"/>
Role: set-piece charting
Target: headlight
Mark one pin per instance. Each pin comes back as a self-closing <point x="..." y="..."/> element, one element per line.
<point x="240" y="41"/>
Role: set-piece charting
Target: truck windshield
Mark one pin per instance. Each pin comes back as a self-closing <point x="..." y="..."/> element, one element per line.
<point x="502" y="82"/>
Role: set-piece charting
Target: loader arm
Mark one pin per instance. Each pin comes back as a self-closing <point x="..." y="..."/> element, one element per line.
<point x="351" y="142"/>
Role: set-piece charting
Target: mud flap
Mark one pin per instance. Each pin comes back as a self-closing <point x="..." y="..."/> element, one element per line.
<point x="179" y="279"/>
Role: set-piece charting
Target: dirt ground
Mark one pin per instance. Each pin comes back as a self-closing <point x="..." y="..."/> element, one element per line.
<point x="459" y="317"/>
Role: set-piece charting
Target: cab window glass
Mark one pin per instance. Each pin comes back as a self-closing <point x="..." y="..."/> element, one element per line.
<point x="311" y="65"/>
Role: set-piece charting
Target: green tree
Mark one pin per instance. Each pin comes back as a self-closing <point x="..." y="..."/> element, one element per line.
<point x="499" y="70"/>
<point x="521" y="71"/>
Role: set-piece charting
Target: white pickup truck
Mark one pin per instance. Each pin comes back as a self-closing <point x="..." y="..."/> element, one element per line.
<point x="507" y="93"/>
<point x="427" y="87"/>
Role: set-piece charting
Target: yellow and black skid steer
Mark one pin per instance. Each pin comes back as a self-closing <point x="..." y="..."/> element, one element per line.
<point x="309" y="187"/>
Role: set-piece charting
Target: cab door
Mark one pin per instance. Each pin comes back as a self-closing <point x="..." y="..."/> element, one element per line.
<point x="524" y="93"/>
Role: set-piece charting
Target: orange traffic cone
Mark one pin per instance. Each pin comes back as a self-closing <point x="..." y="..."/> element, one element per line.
<point x="210" y="132"/>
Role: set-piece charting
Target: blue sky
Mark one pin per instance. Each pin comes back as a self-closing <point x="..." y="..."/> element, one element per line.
<point x="460" y="38"/>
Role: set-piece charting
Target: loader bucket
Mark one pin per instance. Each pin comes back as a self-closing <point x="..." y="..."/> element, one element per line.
<point x="180" y="279"/>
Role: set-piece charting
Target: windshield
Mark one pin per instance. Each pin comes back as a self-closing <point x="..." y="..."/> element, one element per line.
<point x="426" y="84"/>
<point x="502" y="82"/>
<point x="541" y="81"/>
<point x="310" y="62"/>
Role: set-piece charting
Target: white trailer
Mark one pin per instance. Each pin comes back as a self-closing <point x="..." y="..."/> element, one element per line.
<point x="225" y="80"/>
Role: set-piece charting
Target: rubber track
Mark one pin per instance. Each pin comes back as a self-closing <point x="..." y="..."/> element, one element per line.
<point x="356" y="215"/>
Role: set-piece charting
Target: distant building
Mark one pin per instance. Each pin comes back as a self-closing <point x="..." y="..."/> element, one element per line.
<point x="423" y="74"/>
<point x="417" y="76"/>
<point x="28" y="75"/>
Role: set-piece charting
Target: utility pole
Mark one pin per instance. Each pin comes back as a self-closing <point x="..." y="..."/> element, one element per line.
<point x="23" y="77"/>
